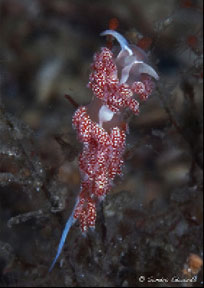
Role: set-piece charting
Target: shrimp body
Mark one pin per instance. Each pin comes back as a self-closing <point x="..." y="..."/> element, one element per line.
<point x="115" y="80"/>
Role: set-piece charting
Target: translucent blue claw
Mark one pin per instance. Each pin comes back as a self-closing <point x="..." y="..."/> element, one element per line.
<point x="121" y="40"/>
<point x="68" y="225"/>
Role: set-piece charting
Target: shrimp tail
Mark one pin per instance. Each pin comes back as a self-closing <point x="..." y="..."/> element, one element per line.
<point x="71" y="220"/>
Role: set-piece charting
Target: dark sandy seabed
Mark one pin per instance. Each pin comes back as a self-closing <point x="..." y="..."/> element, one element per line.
<point x="149" y="228"/>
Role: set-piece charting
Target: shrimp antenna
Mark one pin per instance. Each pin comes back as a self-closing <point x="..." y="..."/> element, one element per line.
<point x="121" y="40"/>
